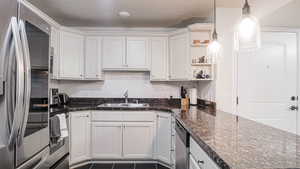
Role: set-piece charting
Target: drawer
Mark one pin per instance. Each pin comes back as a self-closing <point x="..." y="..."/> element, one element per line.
<point x="138" y="116"/>
<point x="200" y="156"/>
<point x="107" y="115"/>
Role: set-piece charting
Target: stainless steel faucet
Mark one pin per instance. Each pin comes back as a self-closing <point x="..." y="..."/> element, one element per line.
<point x="126" y="96"/>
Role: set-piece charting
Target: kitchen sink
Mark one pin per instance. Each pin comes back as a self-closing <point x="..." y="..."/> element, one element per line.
<point x="131" y="105"/>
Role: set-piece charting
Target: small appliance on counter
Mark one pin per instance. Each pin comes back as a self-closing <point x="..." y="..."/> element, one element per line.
<point x="64" y="98"/>
<point x="193" y="96"/>
<point x="54" y="97"/>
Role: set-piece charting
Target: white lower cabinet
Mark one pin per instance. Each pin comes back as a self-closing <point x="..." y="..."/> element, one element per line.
<point x="199" y="159"/>
<point x="164" y="137"/>
<point x="106" y="140"/>
<point x="138" y="140"/>
<point x="193" y="163"/>
<point x="79" y="136"/>
<point x="119" y="135"/>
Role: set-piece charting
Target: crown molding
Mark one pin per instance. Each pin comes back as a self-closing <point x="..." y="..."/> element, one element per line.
<point x="40" y="13"/>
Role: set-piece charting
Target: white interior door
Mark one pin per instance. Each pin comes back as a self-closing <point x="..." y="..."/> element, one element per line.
<point x="267" y="81"/>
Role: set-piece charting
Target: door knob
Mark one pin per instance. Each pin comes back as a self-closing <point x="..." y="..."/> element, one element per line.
<point x="293" y="108"/>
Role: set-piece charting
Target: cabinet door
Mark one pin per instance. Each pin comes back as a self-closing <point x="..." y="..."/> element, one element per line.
<point x="113" y="52"/>
<point x="71" y="55"/>
<point x="107" y="140"/>
<point x="138" y="140"/>
<point x="93" y="66"/>
<point x="201" y="157"/>
<point x="194" y="164"/>
<point x="79" y="136"/>
<point x="137" y="53"/>
<point x="54" y="53"/>
<point x="159" y="58"/>
<point x="179" y="57"/>
<point x="164" y="136"/>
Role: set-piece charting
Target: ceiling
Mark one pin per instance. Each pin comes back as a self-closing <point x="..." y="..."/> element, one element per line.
<point x="144" y="13"/>
<point x="284" y="16"/>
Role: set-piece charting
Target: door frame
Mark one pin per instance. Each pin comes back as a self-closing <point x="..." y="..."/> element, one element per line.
<point x="235" y="62"/>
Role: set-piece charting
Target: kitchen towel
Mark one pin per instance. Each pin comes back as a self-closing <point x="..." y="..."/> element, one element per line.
<point x="63" y="125"/>
<point x="54" y="127"/>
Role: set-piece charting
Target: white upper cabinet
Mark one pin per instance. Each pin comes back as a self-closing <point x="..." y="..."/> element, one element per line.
<point x="180" y="68"/>
<point x="113" y="52"/>
<point x="164" y="137"/>
<point x="54" y="53"/>
<point x="71" y="55"/>
<point x="121" y="53"/>
<point x="159" y="58"/>
<point x="93" y="59"/>
<point x="137" y="53"/>
<point x="79" y="136"/>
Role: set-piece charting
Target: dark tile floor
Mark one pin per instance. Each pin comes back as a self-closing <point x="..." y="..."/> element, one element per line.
<point x="123" y="166"/>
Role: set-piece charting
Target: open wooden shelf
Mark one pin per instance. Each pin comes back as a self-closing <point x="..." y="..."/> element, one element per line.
<point x="201" y="64"/>
<point x="199" y="45"/>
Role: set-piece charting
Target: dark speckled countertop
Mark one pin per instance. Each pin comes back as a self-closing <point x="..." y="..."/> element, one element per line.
<point x="231" y="141"/>
<point x="238" y="143"/>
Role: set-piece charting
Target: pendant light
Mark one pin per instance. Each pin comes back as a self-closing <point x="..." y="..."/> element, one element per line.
<point x="248" y="30"/>
<point x="214" y="47"/>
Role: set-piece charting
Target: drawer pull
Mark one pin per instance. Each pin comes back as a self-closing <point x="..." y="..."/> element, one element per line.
<point x="200" y="162"/>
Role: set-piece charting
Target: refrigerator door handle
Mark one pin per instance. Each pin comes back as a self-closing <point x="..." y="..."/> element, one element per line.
<point x="37" y="161"/>
<point x="15" y="42"/>
<point x="27" y="70"/>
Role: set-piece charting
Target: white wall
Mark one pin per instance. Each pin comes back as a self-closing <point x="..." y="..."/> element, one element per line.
<point x="227" y="18"/>
<point x="115" y="84"/>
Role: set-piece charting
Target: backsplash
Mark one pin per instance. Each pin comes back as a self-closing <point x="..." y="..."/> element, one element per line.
<point x="115" y="84"/>
<point x="82" y="102"/>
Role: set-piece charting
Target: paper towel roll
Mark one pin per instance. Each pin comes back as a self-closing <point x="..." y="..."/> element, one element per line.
<point x="193" y="96"/>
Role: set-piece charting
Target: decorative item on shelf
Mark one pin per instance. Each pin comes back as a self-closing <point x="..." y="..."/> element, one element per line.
<point x="201" y="60"/>
<point x="202" y="74"/>
<point x="200" y="42"/>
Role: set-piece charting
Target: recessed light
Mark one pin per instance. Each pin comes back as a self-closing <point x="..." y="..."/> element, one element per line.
<point x="124" y="14"/>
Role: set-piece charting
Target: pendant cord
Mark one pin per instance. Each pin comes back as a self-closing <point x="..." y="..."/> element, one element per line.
<point x="215" y="17"/>
<point x="215" y="34"/>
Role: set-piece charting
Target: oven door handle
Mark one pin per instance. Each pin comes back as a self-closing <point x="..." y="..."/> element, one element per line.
<point x="27" y="70"/>
<point x="9" y="44"/>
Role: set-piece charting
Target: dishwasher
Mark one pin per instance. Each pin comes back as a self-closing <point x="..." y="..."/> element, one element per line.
<point x="182" y="147"/>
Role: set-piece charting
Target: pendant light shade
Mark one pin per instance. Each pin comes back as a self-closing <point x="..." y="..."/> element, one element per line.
<point x="248" y="30"/>
<point x="214" y="47"/>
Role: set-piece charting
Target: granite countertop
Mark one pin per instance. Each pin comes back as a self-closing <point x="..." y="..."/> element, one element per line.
<point x="237" y="143"/>
<point x="231" y="141"/>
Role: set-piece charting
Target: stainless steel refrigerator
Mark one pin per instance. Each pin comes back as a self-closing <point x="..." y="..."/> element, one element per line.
<point x="24" y="60"/>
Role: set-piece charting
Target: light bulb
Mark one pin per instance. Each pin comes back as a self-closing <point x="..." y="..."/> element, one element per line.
<point x="214" y="50"/>
<point x="248" y="28"/>
<point x="214" y="47"/>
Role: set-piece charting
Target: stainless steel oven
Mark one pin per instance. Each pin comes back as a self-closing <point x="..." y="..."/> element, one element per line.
<point x="182" y="147"/>
<point x="59" y="150"/>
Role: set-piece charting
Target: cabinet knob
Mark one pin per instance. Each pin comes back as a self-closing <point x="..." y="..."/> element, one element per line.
<point x="293" y="108"/>
<point x="200" y="162"/>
